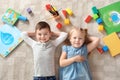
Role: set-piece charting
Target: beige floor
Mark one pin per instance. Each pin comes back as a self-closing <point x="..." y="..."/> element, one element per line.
<point x="19" y="64"/>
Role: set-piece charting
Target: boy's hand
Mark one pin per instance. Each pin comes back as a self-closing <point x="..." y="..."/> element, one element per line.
<point x="79" y="58"/>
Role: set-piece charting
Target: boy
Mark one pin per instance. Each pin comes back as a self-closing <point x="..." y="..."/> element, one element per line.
<point x="43" y="50"/>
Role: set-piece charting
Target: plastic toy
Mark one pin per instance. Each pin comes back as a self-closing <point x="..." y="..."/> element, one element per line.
<point x="95" y="16"/>
<point x="99" y="20"/>
<point x="113" y="43"/>
<point x="69" y="11"/>
<point x="59" y="25"/>
<point x="10" y="17"/>
<point x="67" y="21"/>
<point x="23" y="18"/>
<point x="52" y="10"/>
<point x="100" y="50"/>
<point x="88" y="19"/>
<point x="105" y="48"/>
<point x="94" y="10"/>
<point x="64" y="13"/>
<point x="100" y="27"/>
<point x="111" y="11"/>
<point x="29" y="10"/>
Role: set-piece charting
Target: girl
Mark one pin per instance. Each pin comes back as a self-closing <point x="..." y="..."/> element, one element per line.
<point x="74" y="55"/>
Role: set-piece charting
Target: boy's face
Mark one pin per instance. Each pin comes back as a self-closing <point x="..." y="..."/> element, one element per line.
<point x="43" y="35"/>
<point x="77" y="39"/>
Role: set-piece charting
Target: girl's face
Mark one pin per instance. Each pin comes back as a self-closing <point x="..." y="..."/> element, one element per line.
<point x="77" y="39"/>
<point x="43" y="35"/>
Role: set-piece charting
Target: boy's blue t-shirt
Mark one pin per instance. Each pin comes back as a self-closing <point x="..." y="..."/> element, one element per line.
<point x="76" y="70"/>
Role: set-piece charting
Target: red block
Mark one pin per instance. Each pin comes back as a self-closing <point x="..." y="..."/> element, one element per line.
<point x="88" y="19"/>
<point x="59" y="25"/>
<point x="100" y="50"/>
<point x="64" y="13"/>
<point x="48" y="6"/>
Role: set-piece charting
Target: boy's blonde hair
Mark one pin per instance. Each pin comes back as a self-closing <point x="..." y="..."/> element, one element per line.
<point x="82" y="31"/>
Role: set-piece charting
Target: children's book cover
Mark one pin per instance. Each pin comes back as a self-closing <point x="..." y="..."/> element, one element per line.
<point x="111" y="17"/>
<point x="10" y="16"/>
<point x="10" y="38"/>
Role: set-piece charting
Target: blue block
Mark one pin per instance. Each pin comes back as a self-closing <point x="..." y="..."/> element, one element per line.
<point x="105" y="48"/>
<point x="99" y="20"/>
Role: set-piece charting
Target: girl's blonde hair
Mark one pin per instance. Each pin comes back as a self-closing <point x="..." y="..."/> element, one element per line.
<point x="82" y="31"/>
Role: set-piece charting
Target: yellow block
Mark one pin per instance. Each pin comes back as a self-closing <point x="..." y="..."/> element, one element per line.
<point x="100" y="27"/>
<point x="67" y="21"/>
<point x="113" y="43"/>
<point x="69" y="11"/>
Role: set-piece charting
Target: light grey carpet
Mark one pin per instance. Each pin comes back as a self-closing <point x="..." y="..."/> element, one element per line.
<point x="19" y="64"/>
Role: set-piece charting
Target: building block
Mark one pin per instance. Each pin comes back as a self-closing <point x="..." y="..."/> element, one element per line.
<point x="94" y="10"/>
<point x="113" y="43"/>
<point x="100" y="27"/>
<point x="64" y="13"/>
<point x="67" y="21"/>
<point x="88" y="19"/>
<point x="99" y="20"/>
<point x="69" y="11"/>
<point x="59" y="25"/>
<point x="100" y="50"/>
<point x="29" y="10"/>
<point x="105" y="48"/>
<point x="95" y="16"/>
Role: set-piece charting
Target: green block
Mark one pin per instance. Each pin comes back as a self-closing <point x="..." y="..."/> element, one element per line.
<point x="94" y="10"/>
<point x="95" y="16"/>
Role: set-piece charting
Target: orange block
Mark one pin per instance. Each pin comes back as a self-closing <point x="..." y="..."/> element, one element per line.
<point x="113" y="43"/>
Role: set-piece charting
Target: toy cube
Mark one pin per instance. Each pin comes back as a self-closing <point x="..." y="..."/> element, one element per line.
<point x="94" y="10"/>
<point x="29" y="10"/>
<point x="67" y="21"/>
<point x="105" y="48"/>
<point x="69" y="11"/>
<point x="64" y="13"/>
<point x="100" y="50"/>
<point x="101" y="27"/>
<point x="95" y="16"/>
<point x="99" y="20"/>
<point x="59" y="25"/>
<point x="88" y="19"/>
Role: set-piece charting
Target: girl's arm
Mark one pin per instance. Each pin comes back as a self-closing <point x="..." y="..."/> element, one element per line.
<point x="65" y="62"/>
<point x="93" y="44"/>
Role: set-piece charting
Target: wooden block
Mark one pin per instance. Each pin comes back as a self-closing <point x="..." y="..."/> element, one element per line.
<point x="113" y="43"/>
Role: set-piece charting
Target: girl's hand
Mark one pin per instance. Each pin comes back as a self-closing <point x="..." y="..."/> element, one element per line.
<point x="79" y="58"/>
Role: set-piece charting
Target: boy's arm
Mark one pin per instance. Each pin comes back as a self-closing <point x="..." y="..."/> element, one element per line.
<point x="93" y="44"/>
<point x="61" y="36"/>
<point x="27" y="38"/>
